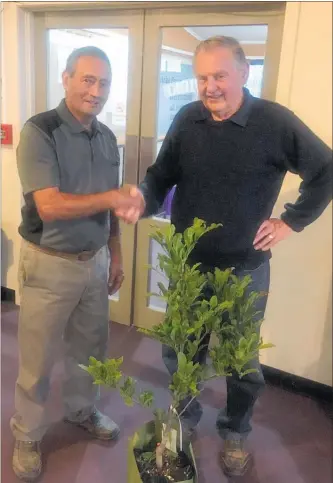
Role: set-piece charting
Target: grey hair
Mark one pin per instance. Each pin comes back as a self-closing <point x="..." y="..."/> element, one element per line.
<point x="226" y="42"/>
<point x="89" y="51"/>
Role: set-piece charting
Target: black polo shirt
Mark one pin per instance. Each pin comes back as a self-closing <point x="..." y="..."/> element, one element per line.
<point x="231" y="172"/>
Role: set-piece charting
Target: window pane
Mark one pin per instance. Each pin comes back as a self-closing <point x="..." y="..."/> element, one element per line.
<point x="177" y="87"/>
<point x="114" y="42"/>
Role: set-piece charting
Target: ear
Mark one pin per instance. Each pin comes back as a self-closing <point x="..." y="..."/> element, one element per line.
<point x="245" y="72"/>
<point x="65" y="80"/>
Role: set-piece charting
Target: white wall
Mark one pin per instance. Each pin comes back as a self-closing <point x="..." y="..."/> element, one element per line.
<point x="17" y="99"/>
<point x="16" y="107"/>
<point x="299" y="316"/>
<point x="299" y="319"/>
<point x="10" y="114"/>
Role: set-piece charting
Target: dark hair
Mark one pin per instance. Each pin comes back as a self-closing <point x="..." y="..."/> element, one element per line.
<point x="88" y="51"/>
<point x="222" y="41"/>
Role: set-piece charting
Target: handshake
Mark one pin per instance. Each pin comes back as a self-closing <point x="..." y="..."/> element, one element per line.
<point x="128" y="203"/>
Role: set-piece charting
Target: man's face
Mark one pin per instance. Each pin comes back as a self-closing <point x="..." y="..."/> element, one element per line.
<point x="88" y="88"/>
<point x="220" y="80"/>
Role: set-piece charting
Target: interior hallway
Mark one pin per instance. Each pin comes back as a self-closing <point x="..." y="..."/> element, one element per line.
<point x="292" y="437"/>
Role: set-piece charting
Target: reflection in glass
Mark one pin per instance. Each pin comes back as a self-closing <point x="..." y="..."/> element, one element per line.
<point x="154" y="302"/>
<point x="177" y="87"/>
<point x="177" y="83"/>
<point x="114" y="42"/>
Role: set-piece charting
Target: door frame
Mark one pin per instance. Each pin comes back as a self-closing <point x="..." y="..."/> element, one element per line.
<point x="143" y="315"/>
<point x="132" y="307"/>
<point x="121" y="309"/>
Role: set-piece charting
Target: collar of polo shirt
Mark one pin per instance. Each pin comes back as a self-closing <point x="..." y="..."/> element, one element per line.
<point x="74" y="125"/>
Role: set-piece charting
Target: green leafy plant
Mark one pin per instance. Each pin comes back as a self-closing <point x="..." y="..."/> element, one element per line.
<point x="108" y="374"/>
<point x="198" y="304"/>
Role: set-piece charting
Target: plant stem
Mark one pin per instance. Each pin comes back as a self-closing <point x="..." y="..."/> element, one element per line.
<point x="187" y="405"/>
<point x="159" y="456"/>
<point x="161" y="447"/>
<point x="160" y="273"/>
<point x="213" y="376"/>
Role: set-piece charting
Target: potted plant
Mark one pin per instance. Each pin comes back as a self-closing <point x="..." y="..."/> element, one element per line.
<point x="159" y="451"/>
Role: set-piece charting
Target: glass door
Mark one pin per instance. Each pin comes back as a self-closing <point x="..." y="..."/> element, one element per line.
<point x="170" y="38"/>
<point x="151" y="55"/>
<point x="120" y="35"/>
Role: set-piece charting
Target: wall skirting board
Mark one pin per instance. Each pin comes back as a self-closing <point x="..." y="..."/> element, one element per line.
<point x="7" y="294"/>
<point x="300" y="385"/>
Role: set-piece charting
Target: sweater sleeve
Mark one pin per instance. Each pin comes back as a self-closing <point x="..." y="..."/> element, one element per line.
<point x="309" y="157"/>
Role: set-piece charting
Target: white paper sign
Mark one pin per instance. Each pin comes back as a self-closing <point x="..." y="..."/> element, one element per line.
<point x="171" y="442"/>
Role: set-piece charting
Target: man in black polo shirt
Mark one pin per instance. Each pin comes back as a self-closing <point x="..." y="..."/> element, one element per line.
<point x="228" y="154"/>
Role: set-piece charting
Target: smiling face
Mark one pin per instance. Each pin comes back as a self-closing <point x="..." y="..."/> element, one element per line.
<point x="220" y="79"/>
<point x="87" y="87"/>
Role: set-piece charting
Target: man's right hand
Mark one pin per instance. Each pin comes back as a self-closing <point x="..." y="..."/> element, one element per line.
<point x="129" y="204"/>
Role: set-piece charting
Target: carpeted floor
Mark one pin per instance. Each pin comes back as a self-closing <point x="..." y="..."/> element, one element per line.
<point x="291" y="440"/>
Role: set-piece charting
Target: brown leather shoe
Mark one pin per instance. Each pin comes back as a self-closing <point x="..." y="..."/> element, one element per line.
<point x="98" y="425"/>
<point x="236" y="460"/>
<point x="27" y="461"/>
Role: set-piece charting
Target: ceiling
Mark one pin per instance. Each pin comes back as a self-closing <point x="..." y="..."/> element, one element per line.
<point x="246" y="34"/>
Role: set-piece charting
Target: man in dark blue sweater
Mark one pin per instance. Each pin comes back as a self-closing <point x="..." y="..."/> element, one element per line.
<point x="228" y="154"/>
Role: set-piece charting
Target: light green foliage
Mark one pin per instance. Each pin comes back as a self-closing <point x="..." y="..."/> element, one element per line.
<point x="190" y="317"/>
<point x="108" y="374"/>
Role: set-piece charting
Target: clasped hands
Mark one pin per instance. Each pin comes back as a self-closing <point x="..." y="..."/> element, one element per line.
<point x="130" y="204"/>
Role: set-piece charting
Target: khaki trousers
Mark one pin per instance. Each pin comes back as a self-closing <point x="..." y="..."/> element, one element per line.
<point x="64" y="312"/>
